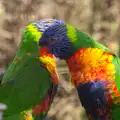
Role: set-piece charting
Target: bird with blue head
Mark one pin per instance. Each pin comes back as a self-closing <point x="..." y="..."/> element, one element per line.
<point x="57" y="40"/>
<point x="93" y="68"/>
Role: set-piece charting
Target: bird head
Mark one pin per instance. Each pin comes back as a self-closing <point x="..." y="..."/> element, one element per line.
<point x="59" y="39"/>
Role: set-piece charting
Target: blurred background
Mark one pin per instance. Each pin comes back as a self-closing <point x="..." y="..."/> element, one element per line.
<point x="98" y="18"/>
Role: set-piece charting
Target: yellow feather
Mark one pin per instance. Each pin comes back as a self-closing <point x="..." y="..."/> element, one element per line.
<point x="71" y="33"/>
<point x="35" y="32"/>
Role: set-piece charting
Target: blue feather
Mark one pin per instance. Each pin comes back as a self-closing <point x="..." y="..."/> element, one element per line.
<point x="93" y="98"/>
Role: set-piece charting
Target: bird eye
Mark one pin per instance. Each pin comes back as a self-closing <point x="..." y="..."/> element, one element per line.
<point x="52" y="40"/>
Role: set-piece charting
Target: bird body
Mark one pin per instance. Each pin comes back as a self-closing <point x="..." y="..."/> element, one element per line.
<point x="93" y="72"/>
<point x="30" y="82"/>
<point x="94" y="69"/>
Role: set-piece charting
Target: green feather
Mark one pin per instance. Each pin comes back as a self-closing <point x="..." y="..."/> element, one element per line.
<point x="81" y="40"/>
<point x="26" y="81"/>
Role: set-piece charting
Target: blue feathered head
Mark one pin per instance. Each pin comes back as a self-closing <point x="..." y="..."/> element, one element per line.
<point x="55" y="37"/>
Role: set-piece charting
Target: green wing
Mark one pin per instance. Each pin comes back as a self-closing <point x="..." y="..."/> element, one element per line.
<point x="30" y="86"/>
<point x="26" y="82"/>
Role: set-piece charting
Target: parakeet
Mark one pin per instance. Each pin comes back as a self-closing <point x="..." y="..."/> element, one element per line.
<point x="94" y="69"/>
<point x="31" y="81"/>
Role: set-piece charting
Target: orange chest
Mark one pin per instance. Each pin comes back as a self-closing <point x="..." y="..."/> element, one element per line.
<point x="91" y="64"/>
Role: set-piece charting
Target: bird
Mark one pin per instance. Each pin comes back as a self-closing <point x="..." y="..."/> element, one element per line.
<point x="94" y="69"/>
<point x="29" y="84"/>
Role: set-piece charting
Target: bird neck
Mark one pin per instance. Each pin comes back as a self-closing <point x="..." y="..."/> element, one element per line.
<point x="80" y="40"/>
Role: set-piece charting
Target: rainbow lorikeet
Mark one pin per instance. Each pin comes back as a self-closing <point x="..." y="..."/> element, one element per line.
<point x="30" y="82"/>
<point x="94" y="69"/>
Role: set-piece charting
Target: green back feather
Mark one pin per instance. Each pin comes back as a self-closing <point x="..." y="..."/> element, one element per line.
<point x="81" y="40"/>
